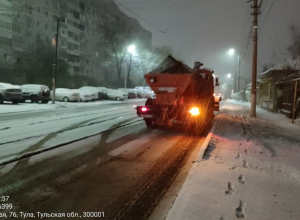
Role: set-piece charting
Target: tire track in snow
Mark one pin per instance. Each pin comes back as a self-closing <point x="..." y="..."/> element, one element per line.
<point x="65" y="129"/>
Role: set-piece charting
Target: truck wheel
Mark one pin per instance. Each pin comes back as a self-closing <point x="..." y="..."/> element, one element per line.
<point x="66" y="99"/>
<point x="149" y="122"/>
<point x="1" y="99"/>
<point x="15" y="102"/>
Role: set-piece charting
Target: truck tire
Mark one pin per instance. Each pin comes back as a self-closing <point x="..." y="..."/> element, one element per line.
<point x="149" y="122"/>
<point x="1" y="99"/>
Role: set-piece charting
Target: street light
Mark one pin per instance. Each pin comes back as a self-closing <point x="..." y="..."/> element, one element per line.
<point x="236" y="78"/>
<point x="231" y="82"/>
<point x="131" y="51"/>
<point x="231" y="51"/>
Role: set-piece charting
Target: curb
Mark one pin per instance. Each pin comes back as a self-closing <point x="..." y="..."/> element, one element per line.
<point x="208" y="138"/>
<point x="204" y="145"/>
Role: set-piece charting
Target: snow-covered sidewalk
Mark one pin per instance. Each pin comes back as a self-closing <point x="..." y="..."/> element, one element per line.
<point x="250" y="169"/>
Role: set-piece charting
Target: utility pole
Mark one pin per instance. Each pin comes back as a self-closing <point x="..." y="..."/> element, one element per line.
<point x="235" y="82"/>
<point x="239" y="72"/>
<point x="255" y="13"/>
<point x="55" y="62"/>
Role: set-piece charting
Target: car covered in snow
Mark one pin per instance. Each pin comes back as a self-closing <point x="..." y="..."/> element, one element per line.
<point x="35" y="93"/>
<point x="9" y="92"/>
<point x="65" y="95"/>
<point x="115" y="94"/>
<point x="92" y="90"/>
<point x="131" y="93"/>
<point x="145" y="91"/>
<point x="84" y="95"/>
<point x="102" y="93"/>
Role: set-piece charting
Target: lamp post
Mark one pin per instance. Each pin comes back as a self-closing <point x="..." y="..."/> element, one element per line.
<point x="229" y="76"/>
<point x="55" y="42"/>
<point x="231" y="52"/>
<point x="131" y="51"/>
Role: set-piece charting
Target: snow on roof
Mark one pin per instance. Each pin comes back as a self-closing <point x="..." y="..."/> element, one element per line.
<point x="293" y="63"/>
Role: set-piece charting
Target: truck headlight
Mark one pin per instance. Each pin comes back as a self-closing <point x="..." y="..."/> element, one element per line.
<point x="194" y="111"/>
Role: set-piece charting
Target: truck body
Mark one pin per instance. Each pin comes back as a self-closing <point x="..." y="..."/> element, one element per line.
<point x="184" y="96"/>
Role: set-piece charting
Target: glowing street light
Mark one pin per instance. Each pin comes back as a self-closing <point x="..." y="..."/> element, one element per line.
<point x="229" y="75"/>
<point x="131" y="49"/>
<point x="231" y="51"/>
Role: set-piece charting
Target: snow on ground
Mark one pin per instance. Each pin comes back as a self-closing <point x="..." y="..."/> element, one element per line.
<point x="27" y="135"/>
<point x="251" y="169"/>
<point x="278" y="119"/>
<point x="7" y="107"/>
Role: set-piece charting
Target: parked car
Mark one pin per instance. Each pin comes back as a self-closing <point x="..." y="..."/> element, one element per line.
<point x="115" y="94"/>
<point x="35" y="93"/>
<point x="93" y="91"/>
<point x="102" y="93"/>
<point x="66" y="95"/>
<point x="132" y="94"/>
<point x="84" y="95"/>
<point x="9" y="92"/>
<point x="147" y="92"/>
<point x="140" y="93"/>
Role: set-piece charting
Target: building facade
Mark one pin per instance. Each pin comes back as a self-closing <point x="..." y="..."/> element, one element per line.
<point x="83" y="39"/>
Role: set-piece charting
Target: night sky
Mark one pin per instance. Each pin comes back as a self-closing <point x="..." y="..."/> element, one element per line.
<point x="204" y="30"/>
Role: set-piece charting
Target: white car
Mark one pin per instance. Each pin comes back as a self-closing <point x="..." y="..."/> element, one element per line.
<point x="66" y="95"/>
<point x="84" y="95"/>
<point x="115" y="94"/>
<point x="131" y="93"/>
<point x="92" y="90"/>
<point x="9" y="92"/>
<point x="102" y="93"/>
<point x="140" y="93"/>
<point x="146" y="91"/>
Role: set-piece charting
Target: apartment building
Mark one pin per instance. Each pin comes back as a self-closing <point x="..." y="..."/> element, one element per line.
<point x="82" y="41"/>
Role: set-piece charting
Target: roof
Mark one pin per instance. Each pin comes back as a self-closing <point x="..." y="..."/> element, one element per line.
<point x="171" y="65"/>
<point x="293" y="63"/>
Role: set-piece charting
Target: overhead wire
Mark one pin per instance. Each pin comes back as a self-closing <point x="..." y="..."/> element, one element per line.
<point x="139" y="16"/>
<point x="266" y="16"/>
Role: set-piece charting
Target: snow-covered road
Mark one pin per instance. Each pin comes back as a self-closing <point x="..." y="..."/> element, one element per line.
<point x="25" y="132"/>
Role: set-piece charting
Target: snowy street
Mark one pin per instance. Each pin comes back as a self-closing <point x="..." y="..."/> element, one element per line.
<point x="250" y="169"/>
<point x="38" y="126"/>
<point x="122" y="171"/>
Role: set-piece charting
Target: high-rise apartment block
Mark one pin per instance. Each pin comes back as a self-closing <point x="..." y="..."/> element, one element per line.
<point x="84" y="39"/>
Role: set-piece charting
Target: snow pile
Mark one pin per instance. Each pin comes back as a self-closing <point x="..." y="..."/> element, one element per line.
<point x="251" y="169"/>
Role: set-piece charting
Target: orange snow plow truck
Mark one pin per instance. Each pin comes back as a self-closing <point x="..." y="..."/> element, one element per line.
<point x="184" y="96"/>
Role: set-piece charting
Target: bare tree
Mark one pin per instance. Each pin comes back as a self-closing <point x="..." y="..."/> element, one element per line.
<point x="116" y="37"/>
<point x="294" y="48"/>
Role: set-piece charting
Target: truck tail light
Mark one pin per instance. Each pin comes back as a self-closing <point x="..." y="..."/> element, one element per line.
<point x="144" y="109"/>
<point x="194" y="111"/>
